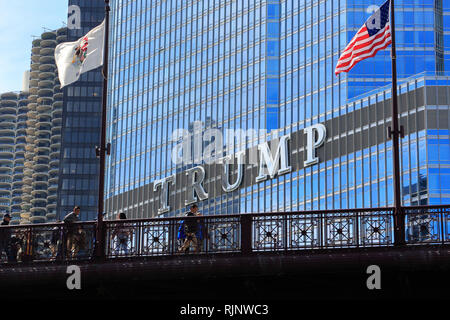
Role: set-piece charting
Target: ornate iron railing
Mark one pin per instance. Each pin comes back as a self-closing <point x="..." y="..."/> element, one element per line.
<point x="47" y="242"/>
<point x="239" y="234"/>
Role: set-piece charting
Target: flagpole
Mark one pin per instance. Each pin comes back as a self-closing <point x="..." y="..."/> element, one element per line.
<point x="104" y="148"/>
<point x="394" y="132"/>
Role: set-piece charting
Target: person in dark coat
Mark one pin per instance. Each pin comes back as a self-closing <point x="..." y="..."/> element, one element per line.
<point x="73" y="233"/>
<point x="5" y="237"/>
<point x="191" y="231"/>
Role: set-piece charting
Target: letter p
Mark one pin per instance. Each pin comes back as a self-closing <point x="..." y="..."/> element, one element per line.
<point x="315" y="137"/>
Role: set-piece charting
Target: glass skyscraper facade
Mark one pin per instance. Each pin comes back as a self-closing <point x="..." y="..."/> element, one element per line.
<point x="79" y="167"/>
<point x="420" y="29"/>
<point x="270" y="65"/>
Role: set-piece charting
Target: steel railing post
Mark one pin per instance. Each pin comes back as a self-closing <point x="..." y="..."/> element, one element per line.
<point x="246" y="234"/>
<point x="399" y="226"/>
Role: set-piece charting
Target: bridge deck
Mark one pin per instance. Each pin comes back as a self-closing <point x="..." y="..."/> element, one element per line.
<point x="406" y="272"/>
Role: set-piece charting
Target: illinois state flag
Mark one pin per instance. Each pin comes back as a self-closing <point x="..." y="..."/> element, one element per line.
<point x="374" y="35"/>
<point x="75" y="58"/>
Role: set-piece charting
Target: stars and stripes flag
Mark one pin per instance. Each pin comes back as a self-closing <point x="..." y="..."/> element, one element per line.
<point x="374" y="35"/>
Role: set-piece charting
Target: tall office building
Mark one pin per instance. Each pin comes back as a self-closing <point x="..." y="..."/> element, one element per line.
<point x="43" y="132"/>
<point x="13" y="117"/>
<point x="82" y="103"/>
<point x="269" y="65"/>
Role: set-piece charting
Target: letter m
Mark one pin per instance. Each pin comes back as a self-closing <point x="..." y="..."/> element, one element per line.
<point x="272" y="163"/>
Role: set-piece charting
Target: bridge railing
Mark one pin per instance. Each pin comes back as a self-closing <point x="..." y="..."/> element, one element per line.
<point x="47" y="242"/>
<point x="239" y="234"/>
<point x="427" y="224"/>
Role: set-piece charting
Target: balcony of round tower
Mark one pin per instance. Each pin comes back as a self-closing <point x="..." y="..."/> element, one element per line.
<point x="6" y="150"/>
<point x="26" y="197"/>
<point x="40" y="174"/>
<point x="55" y="147"/>
<point x="26" y="194"/>
<point x="31" y="115"/>
<point x="16" y="210"/>
<point x="21" y="121"/>
<point x="17" y="182"/>
<point x="61" y="38"/>
<point x="7" y="139"/>
<point x="48" y="39"/>
<point x="39" y="205"/>
<point x="54" y="156"/>
<point x="61" y="32"/>
<point x="16" y="203"/>
<point x="44" y="122"/>
<point x="45" y="85"/>
<point x="6" y="166"/>
<point x="30" y="144"/>
<point x="32" y="102"/>
<point x="42" y="146"/>
<point x="8" y="103"/>
<point x="5" y="183"/>
<point x="38" y="214"/>
<point x="54" y="168"/>
<point x="36" y="44"/>
<point x="23" y="95"/>
<point x="47" y="59"/>
<point x="21" y="127"/>
<point x="45" y="93"/>
<point x="47" y="75"/>
<point x="18" y="178"/>
<point x="44" y="101"/>
<point x="21" y="143"/>
<point x="4" y="206"/>
<point x="35" y="56"/>
<point x="29" y="155"/>
<point x="53" y="180"/>
<point x="19" y="166"/>
<point x="5" y="195"/>
<point x="56" y="133"/>
<point x="34" y="69"/>
<point x="34" y="75"/>
<point x="39" y="190"/>
<point x="7" y="144"/>
<point x="57" y="102"/>
<point x="27" y="185"/>
<point x="51" y="203"/>
<point x="51" y="214"/>
<point x="23" y="102"/>
<point x="51" y="199"/>
<point x="43" y="134"/>
<point x="7" y="125"/>
<point x="25" y="215"/>
<point x="8" y="120"/>
<point x="41" y="165"/>
<point x="48" y="52"/>
<point x="56" y="122"/>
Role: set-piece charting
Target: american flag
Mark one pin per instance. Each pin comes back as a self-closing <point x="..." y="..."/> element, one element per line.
<point x="374" y="35"/>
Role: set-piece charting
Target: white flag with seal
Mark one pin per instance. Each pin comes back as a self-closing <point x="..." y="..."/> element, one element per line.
<point x="75" y="58"/>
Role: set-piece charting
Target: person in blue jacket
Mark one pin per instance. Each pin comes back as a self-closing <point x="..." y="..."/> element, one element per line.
<point x="191" y="231"/>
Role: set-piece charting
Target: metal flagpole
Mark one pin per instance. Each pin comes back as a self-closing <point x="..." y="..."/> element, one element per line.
<point x="104" y="148"/>
<point x="395" y="132"/>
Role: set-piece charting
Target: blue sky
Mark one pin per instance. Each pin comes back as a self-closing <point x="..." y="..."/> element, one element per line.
<point x="19" y="20"/>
